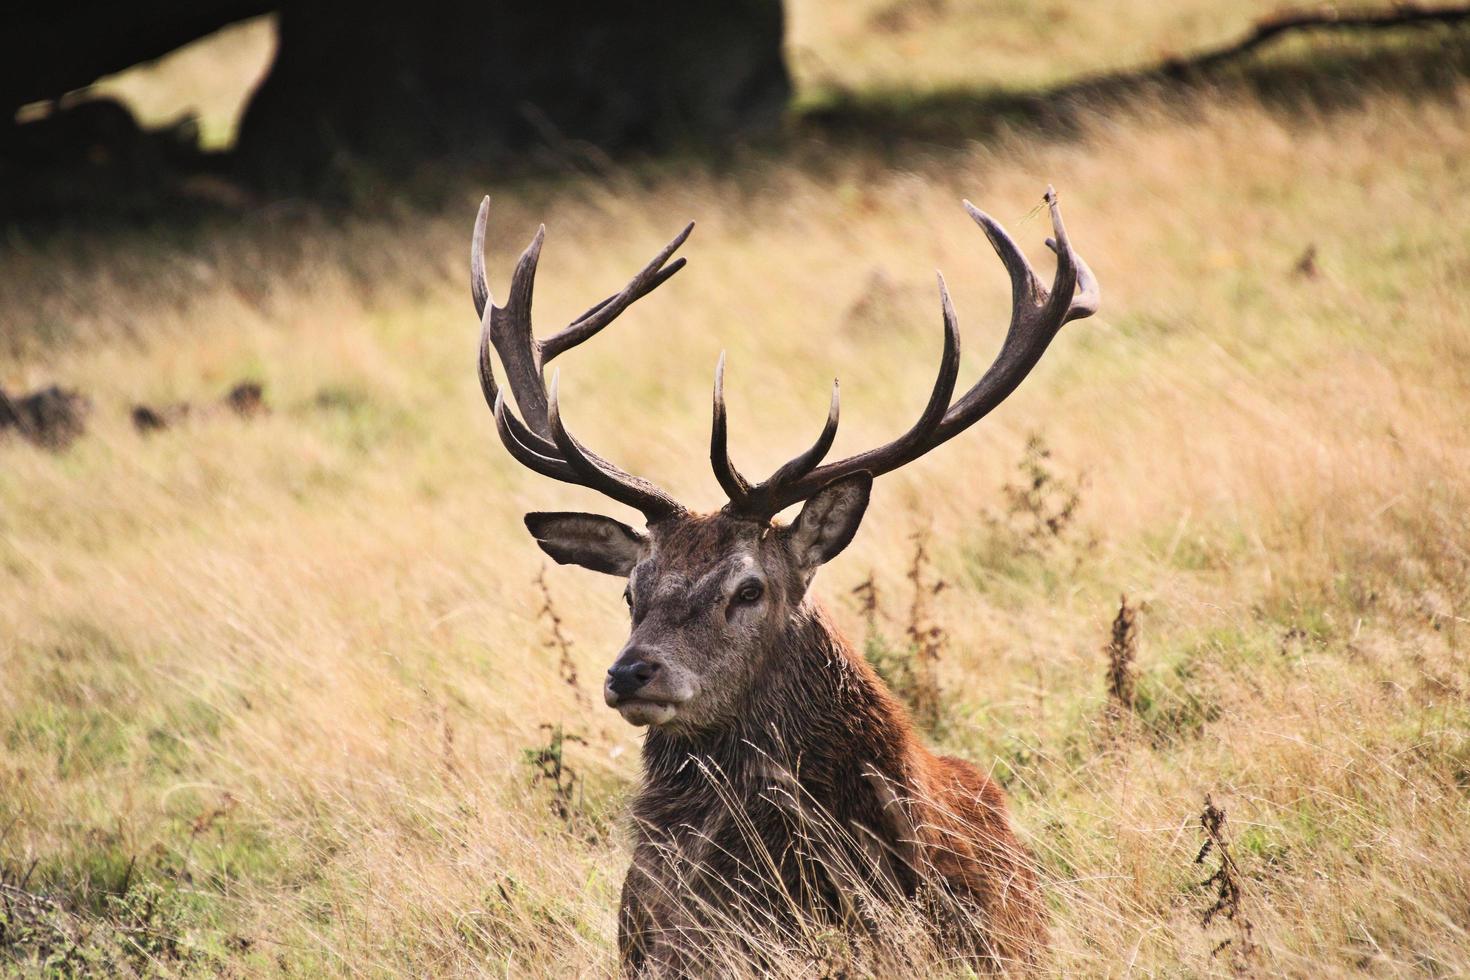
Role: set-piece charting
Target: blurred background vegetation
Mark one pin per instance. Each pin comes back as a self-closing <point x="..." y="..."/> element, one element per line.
<point x="120" y="108"/>
<point x="286" y="687"/>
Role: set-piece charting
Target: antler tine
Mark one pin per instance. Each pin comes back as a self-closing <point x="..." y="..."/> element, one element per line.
<point x="488" y="387"/>
<point x="1036" y="316"/>
<point x="598" y="474"/>
<point x="508" y="327"/>
<point x="736" y="487"/>
<point x="529" y="439"/>
<point x="479" y="288"/>
<point x="797" y="483"/>
<point x="1064" y="283"/>
<point x="528" y="457"/>
<point x="802" y="465"/>
<point x="1033" y="325"/>
<point x="484" y="307"/>
<point x="510" y="331"/>
<point x="755" y="500"/>
<point x="913" y="443"/>
<point x="649" y="278"/>
<point x="1088" y="294"/>
<point x="1025" y="287"/>
<point x="538" y="439"/>
<point x="522" y="435"/>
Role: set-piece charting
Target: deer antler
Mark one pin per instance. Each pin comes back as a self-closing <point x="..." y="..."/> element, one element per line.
<point x="538" y="439"/>
<point x="1036" y="316"/>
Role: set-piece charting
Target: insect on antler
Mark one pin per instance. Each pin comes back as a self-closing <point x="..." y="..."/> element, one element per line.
<point x="1036" y="315"/>
<point x="539" y="439"/>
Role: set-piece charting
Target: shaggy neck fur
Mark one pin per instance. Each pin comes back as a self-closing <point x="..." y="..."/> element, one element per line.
<point x="816" y="710"/>
<point x="724" y="821"/>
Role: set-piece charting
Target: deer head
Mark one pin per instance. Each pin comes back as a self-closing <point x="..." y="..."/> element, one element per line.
<point x="711" y="595"/>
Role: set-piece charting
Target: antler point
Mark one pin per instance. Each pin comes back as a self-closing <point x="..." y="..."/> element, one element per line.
<point x="541" y="442"/>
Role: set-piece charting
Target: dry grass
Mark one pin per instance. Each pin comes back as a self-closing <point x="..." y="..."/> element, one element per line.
<point x="1013" y="44"/>
<point x="287" y="669"/>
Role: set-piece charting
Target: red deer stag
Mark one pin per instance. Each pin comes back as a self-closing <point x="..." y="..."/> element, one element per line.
<point x="763" y="722"/>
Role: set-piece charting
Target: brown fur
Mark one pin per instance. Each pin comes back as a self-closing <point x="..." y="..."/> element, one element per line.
<point x="725" y="805"/>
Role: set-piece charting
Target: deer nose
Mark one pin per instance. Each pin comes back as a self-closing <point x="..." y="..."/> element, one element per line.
<point x="629" y="674"/>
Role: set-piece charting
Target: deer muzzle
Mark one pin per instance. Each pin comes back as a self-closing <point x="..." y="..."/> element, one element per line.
<point x="638" y="686"/>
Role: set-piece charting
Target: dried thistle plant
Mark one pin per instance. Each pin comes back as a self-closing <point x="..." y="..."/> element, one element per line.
<point x="910" y="667"/>
<point x="1122" y="650"/>
<point x="549" y="768"/>
<point x="1227" y="884"/>
<point x="866" y="593"/>
<point x="926" y="637"/>
<point x="557" y="638"/>
<point x="1042" y="506"/>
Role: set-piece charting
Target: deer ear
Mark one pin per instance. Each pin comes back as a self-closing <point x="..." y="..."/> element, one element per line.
<point x="590" y="540"/>
<point x="829" y="520"/>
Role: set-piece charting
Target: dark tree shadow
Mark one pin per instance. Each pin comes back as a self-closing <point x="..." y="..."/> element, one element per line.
<point x="1414" y="52"/>
<point x="1421" y="52"/>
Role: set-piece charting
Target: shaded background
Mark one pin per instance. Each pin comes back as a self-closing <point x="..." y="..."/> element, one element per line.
<point x="301" y="96"/>
<point x="393" y="83"/>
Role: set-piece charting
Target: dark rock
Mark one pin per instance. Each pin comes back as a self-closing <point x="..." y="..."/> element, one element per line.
<point x="147" y="419"/>
<point x="247" y="399"/>
<point x="52" y="417"/>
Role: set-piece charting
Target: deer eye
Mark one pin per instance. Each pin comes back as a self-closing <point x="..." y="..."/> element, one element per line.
<point x="750" y="592"/>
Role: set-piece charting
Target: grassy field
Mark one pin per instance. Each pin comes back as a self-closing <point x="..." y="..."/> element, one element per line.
<point x="928" y="45"/>
<point x="275" y="690"/>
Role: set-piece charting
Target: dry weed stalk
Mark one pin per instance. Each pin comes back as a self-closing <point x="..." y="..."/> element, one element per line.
<point x="866" y="592"/>
<point x="1043" y="505"/>
<point x="558" y="639"/>
<point x="926" y="637"/>
<point x="446" y="741"/>
<point x="1122" y="652"/>
<point x="910" y="668"/>
<point x="1227" y="882"/>
<point x="205" y="821"/>
<point x="1306" y="265"/>
<point x="549" y="764"/>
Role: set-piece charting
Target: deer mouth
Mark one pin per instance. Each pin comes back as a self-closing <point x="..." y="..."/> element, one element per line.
<point x="644" y="711"/>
